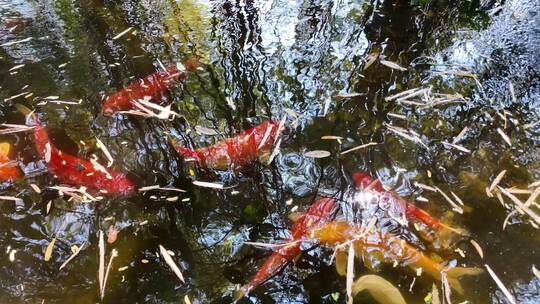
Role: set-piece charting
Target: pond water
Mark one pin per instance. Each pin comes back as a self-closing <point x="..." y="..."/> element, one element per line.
<point x="328" y="67"/>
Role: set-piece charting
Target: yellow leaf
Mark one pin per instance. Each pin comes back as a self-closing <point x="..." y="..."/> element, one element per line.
<point x="48" y="251"/>
<point x="4" y="148"/>
<point x="380" y="289"/>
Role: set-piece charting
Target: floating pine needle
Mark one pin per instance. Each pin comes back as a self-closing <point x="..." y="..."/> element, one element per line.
<point x="101" y="269"/>
<point x="11" y="128"/>
<point x="461" y="135"/>
<point x="158" y="187"/>
<point x="11" y="198"/>
<point x="75" y="250"/>
<point x="350" y="274"/>
<point x="317" y="154"/>
<point x="455" y="206"/>
<point x="114" y="254"/>
<point x="168" y="259"/>
<point x="266" y="135"/>
<point x="122" y="33"/>
<point x="504" y="136"/>
<point x="392" y="65"/>
<point x="49" y="250"/>
<point x="536" y="272"/>
<point x="103" y="148"/>
<point x="478" y="248"/>
<point x="521" y="205"/>
<point x="501" y="286"/>
<point x="359" y="147"/>
<point x="208" y="185"/>
<point x="497" y="180"/>
<point x="458" y="147"/>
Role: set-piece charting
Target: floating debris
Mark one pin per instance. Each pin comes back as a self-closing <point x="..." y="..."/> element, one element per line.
<point x="455" y="206"/>
<point x="122" y="33"/>
<point x="360" y="147"/>
<point x="460" y="136"/>
<point x="16" y="42"/>
<point x="101" y="269"/>
<point x="478" y="248"/>
<point x="458" y="147"/>
<point x="317" y="154"/>
<point x="501" y="286"/>
<point x="407" y="134"/>
<point x="103" y="148"/>
<point x="75" y="251"/>
<point x="49" y="250"/>
<point x="392" y="65"/>
<point x="504" y="136"/>
<point x="114" y="254"/>
<point x="496" y="181"/>
<point x="168" y="259"/>
<point x="208" y="185"/>
<point x="350" y="273"/>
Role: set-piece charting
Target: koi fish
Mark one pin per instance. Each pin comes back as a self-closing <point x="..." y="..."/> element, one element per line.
<point x="317" y="213"/>
<point x="8" y="168"/>
<point x="154" y="86"/>
<point x="235" y="152"/>
<point x="365" y="181"/>
<point x="74" y="171"/>
<point x="389" y="248"/>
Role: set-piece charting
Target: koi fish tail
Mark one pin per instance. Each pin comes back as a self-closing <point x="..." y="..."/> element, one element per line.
<point x="454" y="275"/>
<point x="40" y="135"/>
<point x="185" y="152"/>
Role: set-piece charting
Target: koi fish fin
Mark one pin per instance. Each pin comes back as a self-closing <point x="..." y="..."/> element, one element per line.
<point x="454" y="275"/>
<point x="239" y="294"/>
<point x="5" y="148"/>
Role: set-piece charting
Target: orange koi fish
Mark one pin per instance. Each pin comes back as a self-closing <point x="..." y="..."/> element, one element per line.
<point x="153" y="86"/>
<point x="8" y="168"/>
<point x="389" y="248"/>
<point x="317" y="213"/>
<point x="235" y="152"/>
<point x="74" y="171"/>
<point x="365" y="181"/>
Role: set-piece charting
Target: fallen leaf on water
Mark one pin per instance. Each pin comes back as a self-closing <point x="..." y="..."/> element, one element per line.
<point x="380" y="289"/>
<point x="317" y="154"/>
<point x="168" y="259"/>
<point x="49" y="250"/>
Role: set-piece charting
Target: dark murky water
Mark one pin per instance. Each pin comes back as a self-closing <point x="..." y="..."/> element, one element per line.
<point x="265" y="57"/>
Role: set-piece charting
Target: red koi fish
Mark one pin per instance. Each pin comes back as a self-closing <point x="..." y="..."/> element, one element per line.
<point x="317" y="213"/>
<point x="74" y="171"/>
<point x="8" y="168"/>
<point x="154" y="86"/>
<point x="364" y="181"/>
<point x="235" y="152"/>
